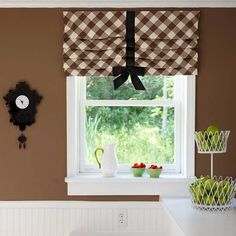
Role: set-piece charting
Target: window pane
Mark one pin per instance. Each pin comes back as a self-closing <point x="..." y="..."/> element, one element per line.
<point x="157" y="87"/>
<point x="141" y="133"/>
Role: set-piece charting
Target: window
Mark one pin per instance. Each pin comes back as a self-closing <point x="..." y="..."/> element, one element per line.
<point x="143" y="124"/>
<point x="147" y="126"/>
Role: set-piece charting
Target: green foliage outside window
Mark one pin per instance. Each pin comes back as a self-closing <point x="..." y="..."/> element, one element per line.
<point x="142" y="133"/>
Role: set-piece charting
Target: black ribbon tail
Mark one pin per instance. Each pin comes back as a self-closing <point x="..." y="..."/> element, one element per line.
<point x="137" y="82"/>
<point x="119" y="80"/>
<point x="123" y="73"/>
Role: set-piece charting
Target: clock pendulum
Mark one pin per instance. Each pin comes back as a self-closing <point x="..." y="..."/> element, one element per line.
<point x="22" y="103"/>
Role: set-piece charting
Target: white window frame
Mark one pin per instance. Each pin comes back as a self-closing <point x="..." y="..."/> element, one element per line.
<point x="165" y="103"/>
<point x="78" y="183"/>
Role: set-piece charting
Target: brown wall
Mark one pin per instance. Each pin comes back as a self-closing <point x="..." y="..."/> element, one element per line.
<point x="31" y="49"/>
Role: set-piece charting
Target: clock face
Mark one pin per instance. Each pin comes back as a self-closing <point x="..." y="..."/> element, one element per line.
<point x="22" y="102"/>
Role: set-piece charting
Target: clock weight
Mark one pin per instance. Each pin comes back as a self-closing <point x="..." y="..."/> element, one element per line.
<point x="22" y="141"/>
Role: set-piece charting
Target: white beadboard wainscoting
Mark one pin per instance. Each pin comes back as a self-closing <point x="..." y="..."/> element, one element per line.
<point x="73" y="218"/>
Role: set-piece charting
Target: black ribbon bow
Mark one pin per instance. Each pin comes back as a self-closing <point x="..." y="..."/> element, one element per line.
<point x="123" y="74"/>
<point x="131" y="70"/>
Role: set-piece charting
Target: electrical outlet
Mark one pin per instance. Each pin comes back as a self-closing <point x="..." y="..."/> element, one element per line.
<point x="123" y="218"/>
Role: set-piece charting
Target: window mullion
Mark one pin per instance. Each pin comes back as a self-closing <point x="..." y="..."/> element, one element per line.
<point x="144" y="103"/>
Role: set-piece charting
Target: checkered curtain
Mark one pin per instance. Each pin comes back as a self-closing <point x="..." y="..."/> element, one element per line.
<point x="165" y="42"/>
<point x="94" y="42"/>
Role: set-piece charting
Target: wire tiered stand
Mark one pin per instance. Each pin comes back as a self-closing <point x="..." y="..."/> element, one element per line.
<point x="212" y="193"/>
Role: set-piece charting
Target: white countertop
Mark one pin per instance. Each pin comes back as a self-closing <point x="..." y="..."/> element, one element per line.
<point x="200" y="223"/>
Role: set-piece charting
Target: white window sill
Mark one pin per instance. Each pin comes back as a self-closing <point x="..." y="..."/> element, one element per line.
<point x="126" y="184"/>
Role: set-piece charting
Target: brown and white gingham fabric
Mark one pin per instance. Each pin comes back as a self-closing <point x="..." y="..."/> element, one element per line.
<point x="165" y="42"/>
<point x="94" y="42"/>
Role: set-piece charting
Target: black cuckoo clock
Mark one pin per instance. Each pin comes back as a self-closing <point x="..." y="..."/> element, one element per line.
<point x="22" y="102"/>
